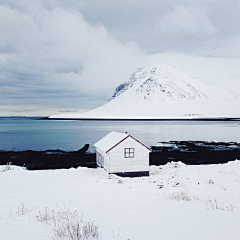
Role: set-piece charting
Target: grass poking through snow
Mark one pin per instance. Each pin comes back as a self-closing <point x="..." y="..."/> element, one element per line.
<point x="67" y="225"/>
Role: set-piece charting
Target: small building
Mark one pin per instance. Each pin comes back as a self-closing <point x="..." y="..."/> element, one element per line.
<point x="122" y="154"/>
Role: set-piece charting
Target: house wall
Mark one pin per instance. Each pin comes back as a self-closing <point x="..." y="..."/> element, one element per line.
<point x="118" y="162"/>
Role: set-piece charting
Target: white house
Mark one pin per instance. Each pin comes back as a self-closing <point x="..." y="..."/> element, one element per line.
<point x="123" y="155"/>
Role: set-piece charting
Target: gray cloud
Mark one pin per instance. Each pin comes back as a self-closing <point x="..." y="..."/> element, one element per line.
<point x="64" y="55"/>
<point x="58" y="51"/>
<point x="187" y="21"/>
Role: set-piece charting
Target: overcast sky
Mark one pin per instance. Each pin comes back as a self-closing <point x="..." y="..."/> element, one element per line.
<point x="58" y="56"/>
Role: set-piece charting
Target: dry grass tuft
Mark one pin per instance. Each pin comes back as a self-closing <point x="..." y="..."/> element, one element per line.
<point x="68" y="225"/>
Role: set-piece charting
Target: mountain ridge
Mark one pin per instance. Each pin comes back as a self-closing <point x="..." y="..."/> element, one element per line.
<point x="162" y="91"/>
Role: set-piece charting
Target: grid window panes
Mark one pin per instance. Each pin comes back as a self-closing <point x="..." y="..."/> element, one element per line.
<point x="129" y="153"/>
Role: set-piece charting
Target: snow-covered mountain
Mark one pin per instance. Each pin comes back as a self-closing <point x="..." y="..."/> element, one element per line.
<point x="160" y="92"/>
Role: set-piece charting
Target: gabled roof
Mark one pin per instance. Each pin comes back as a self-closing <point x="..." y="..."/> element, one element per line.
<point x="112" y="140"/>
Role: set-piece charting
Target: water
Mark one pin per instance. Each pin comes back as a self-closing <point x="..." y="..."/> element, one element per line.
<point x="30" y="134"/>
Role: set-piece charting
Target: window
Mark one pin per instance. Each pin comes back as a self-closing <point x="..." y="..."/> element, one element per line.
<point x="100" y="159"/>
<point x="129" y="153"/>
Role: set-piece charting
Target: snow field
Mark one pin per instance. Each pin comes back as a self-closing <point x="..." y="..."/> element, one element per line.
<point x="177" y="201"/>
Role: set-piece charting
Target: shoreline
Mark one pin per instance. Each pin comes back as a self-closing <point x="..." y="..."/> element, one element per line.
<point x="188" y="152"/>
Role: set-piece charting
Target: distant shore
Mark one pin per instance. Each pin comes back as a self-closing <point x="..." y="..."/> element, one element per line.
<point x="144" y="119"/>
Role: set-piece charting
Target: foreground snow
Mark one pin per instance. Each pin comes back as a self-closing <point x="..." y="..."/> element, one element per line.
<point x="176" y="202"/>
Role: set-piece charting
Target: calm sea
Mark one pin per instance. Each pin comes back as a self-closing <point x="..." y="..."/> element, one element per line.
<point x="18" y="133"/>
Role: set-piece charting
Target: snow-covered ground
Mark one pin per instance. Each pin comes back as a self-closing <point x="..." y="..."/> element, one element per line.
<point x="176" y="202"/>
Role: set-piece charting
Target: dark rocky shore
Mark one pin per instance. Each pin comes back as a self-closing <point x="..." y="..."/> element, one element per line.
<point x="188" y="152"/>
<point x="49" y="159"/>
<point x="195" y="152"/>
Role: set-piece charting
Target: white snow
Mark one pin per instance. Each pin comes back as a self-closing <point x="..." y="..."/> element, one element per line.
<point x="177" y="201"/>
<point x="110" y="140"/>
<point x="162" y="91"/>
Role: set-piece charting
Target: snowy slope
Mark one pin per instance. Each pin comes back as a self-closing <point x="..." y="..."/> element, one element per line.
<point x="176" y="201"/>
<point x="162" y="91"/>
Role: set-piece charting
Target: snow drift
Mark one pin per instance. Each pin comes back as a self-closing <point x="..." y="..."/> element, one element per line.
<point x="176" y="201"/>
<point x="162" y="92"/>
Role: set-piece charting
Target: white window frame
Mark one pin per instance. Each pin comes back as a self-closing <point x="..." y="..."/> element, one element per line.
<point x="129" y="152"/>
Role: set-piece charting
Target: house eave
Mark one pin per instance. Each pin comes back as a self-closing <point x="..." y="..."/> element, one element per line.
<point x="126" y="138"/>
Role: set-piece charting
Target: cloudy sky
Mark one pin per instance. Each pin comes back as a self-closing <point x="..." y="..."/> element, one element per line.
<point x="61" y="56"/>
